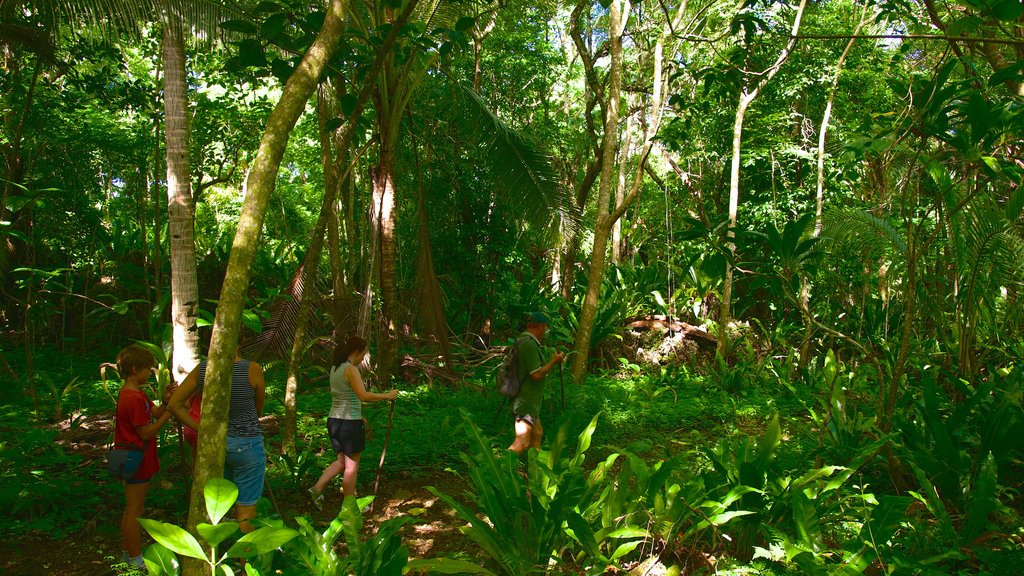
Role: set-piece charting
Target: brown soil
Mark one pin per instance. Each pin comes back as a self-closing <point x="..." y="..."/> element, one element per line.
<point x="93" y="550"/>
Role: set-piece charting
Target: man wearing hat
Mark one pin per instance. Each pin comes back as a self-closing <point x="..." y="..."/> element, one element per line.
<point x="531" y="372"/>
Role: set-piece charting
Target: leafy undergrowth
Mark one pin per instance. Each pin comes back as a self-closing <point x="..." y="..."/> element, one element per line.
<point x="769" y="478"/>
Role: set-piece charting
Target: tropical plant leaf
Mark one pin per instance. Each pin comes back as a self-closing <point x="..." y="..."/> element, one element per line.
<point x="173" y="538"/>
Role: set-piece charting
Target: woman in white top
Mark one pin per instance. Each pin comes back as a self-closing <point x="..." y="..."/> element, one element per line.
<point x="345" y="424"/>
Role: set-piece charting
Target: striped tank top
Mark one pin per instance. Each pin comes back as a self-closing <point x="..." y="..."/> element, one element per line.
<point x="243" y="420"/>
<point x="344" y="402"/>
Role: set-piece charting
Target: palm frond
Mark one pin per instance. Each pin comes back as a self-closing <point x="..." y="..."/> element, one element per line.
<point x="274" y="342"/>
<point x="989" y="252"/>
<point x="524" y="173"/>
<point x="865" y="232"/>
<point x="128" y="17"/>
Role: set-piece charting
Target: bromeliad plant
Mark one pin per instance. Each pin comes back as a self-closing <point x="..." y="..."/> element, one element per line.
<point x="220" y="496"/>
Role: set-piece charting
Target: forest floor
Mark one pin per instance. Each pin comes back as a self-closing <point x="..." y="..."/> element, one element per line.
<point x="95" y="548"/>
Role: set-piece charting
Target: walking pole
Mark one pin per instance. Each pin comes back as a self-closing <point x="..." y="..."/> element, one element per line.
<point x="561" y="379"/>
<point x="383" y="453"/>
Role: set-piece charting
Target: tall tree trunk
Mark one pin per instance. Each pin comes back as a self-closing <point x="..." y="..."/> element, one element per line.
<point x="180" y="208"/>
<point x="601" y="232"/>
<point x="607" y="218"/>
<point x="309" y="270"/>
<point x="227" y="324"/>
<point x="747" y="95"/>
<point x="383" y="176"/>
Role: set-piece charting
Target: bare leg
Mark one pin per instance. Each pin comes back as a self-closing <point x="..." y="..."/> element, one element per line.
<point x="348" y="484"/>
<point x="536" y="432"/>
<point x="332" y="470"/>
<point x="131" y="530"/>
<point x="244" y="515"/>
<point x="524" y="437"/>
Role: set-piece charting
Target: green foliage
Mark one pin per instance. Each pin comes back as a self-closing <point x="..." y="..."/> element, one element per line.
<point x="220" y="496"/>
<point x="960" y="454"/>
<point x="531" y="516"/>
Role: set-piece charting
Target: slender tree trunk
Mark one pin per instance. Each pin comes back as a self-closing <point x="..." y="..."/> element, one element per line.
<point x="180" y="208"/>
<point x="227" y="324"/>
<point x="747" y="95"/>
<point x="620" y="189"/>
<point x="805" y="285"/>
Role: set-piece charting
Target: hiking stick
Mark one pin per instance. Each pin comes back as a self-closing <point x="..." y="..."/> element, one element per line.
<point x="561" y="379"/>
<point x="383" y="453"/>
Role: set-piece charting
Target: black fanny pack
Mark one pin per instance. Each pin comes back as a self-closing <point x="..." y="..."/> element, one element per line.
<point x="124" y="461"/>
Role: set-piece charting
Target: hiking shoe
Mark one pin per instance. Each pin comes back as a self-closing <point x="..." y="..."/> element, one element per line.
<point x="317" y="497"/>
<point x="138" y="564"/>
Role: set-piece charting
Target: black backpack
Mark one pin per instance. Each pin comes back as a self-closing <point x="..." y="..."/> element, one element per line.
<point x="508" y="372"/>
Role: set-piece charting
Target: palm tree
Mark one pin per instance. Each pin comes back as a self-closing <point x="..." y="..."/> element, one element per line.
<point x="128" y="17"/>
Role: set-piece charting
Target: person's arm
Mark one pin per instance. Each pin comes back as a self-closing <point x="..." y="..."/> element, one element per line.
<point x="149" y="430"/>
<point x="543" y="370"/>
<point x="176" y="405"/>
<point x="356" y="381"/>
<point x="259" y="385"/>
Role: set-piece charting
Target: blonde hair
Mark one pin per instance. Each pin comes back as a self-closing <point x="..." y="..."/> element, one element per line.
<point x="132" y="358"/>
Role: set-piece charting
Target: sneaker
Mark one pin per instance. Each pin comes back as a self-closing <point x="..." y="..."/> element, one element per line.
<point x="317" y="497"/>
<point x="138" y="563"/>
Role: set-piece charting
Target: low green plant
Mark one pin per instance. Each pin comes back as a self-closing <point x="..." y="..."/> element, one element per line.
<point x="959" y="452"/>
<point x="533" y="522"/>
<point x="220" y="496"/>
<point x="313" y="553"/>
<point x="296" y="468"/>
<point x="770" y="513"/>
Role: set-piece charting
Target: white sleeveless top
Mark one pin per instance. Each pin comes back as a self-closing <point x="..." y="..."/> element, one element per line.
<point x="344" y="402"/>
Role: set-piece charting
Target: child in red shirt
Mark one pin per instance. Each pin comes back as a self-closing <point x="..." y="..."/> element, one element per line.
<point x="137" y="424"/>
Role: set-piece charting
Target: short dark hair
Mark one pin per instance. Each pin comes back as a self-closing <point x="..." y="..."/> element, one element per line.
<point x="345" y="348"/>
<point x="132" y="358"/>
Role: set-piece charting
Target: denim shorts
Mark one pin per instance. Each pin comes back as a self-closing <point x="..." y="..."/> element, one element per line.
<point x="246" y="465"/>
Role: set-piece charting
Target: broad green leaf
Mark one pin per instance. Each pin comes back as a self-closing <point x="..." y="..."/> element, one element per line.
<point x="333" y="124"/>
<point x="983" y="501"/>
<point x="241" y="26"/>
<point x="215" y="534"/>
<point x="220" y="495"/>
<point x="260" y="541"/>
<point x="629" y="532"/>
<point x="465" y="23"/>
<point x="1008" y="10"/>
<point x="250" y="53"/>
<point x="625" y="548"/>
<point x="159" y="560"/>
<point x="446" y="566"/>
<point x="348" y="104"/>
<point x="719" y="519"/>
<point x="173" y="538"/>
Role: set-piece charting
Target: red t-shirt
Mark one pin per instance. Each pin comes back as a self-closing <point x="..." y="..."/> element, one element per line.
<point x="135" y="409"/>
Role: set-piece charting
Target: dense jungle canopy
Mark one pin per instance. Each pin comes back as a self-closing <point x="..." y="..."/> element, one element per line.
<point x="809" y="213"/>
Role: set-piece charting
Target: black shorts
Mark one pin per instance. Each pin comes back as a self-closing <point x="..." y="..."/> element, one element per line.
<point x="348" y="437"/>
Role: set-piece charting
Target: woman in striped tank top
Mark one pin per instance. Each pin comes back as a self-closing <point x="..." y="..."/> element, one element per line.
<point x="345" y="424"/>
<point x="245" y="460"/>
